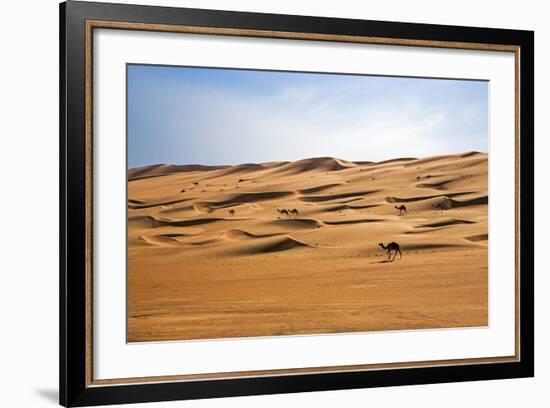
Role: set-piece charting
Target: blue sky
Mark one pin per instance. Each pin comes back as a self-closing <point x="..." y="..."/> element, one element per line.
<point x="182" y="115"/>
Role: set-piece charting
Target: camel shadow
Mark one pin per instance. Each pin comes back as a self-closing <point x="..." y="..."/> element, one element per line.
<point x="383" y="261"/>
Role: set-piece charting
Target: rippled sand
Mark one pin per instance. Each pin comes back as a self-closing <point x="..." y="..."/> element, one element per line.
<point x="211" y="257"/>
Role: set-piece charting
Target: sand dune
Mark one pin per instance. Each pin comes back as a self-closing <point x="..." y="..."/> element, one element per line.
<point x="318" y="189"/>
<point x="445" y="222"/>
<point x="315" y="164"/>
<point x="191" y="222"/>
<point x="141" y="204"/>
<point x="395" y="161"/>
<point x="332" y="197"/>
<point x="163" y="239"/>
<point x="242" y="168"/>
<point x="356" y="221"/>
<point x="483" y="200"/>
<point x="210" y="255"/>
<point x="296" y="223"/>
<point x="264" y="245"/>
<point x="142" y="222"/>
<point x="252" y="197"/>
<point x="343" y="207"/>
<point x="476" y="238"/>
<point x="165" y="169"/>
<point x="422" y="198"/>
<point x="240" y="234"/>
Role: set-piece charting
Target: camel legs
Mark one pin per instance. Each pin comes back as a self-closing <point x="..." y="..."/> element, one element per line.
<point x="395" y="254"/>
<point x="389" y="253"/>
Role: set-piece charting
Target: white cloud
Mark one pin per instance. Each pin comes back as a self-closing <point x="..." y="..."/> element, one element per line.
<point x="225" y="126"/>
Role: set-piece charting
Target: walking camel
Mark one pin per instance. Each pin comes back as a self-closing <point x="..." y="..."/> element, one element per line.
<point x="231" y="212"/>
<point x="283" y="213"/>
<point x="293" y="212"/>
<point x="402" y="209"/>
<point x="392" y="246"/>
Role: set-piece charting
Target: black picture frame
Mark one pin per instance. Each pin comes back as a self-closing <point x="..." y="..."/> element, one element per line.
<point x="75" y="387"/>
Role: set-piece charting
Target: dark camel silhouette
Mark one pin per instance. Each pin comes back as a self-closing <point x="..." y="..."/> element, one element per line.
<point x="402" y="209"/>
<point x="293" y="212"/>
<point x="195" y="183"/>
<point x="392" y="246"/>
<point x="283" y="212"/>
<point x="231" y="212"/>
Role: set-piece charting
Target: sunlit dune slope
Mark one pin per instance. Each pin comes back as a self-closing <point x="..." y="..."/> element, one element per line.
<point x="292" y="247"/>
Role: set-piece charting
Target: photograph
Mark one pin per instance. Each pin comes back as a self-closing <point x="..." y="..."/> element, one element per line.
<point x="278" y="203"/>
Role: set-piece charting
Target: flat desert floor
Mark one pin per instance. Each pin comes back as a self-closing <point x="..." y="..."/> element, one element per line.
<point x="209" y="255"/>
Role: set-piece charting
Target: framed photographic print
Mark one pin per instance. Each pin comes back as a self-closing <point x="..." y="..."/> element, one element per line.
<point x="257" y="204"/>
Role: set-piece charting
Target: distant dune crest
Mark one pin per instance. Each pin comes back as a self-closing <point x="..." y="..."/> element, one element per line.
<point x="165" y="169"/>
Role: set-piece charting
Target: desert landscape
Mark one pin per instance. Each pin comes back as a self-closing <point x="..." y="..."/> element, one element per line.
<point x="289" y="248"/>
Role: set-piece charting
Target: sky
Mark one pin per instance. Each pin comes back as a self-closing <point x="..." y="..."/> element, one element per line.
<point x="186" y="115"/>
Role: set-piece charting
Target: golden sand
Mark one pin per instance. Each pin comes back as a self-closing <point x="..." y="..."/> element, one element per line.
<point x="211" y="257"/>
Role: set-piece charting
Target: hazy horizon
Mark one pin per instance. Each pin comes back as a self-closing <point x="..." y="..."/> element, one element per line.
<point x="213" y="116"/>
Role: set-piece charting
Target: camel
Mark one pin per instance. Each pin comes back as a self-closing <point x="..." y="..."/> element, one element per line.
<point x="283" y="212"/>
<point x="392" y="246"/>
<point x="402" y="209"/>
<point x="231" y="212"/>
<point x="294" y="211"/>
<point x="195" y="183"/>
